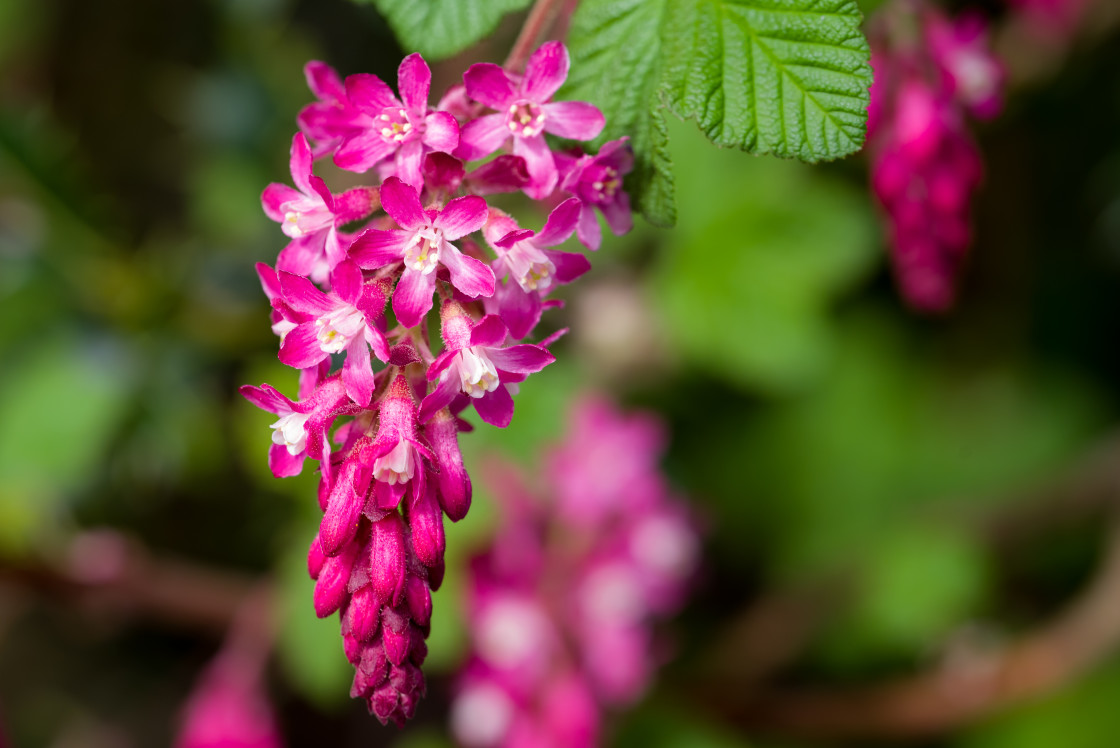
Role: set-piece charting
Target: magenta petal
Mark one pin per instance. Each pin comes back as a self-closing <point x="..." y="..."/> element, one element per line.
<point x="274" y="197"/>
<point x="506" y="173"/>
<point x="300" y="347"/>
<point x="269" y="282"/>
<point x="323" y="80"/>
<point x="414" y="80"/>
<point x="355" y="204"/>
<point x="489" y="84"/>
<point x="545" y="72"/>
<point x="377" y="342"/>
<point x="376" y="248"/>
<point x="513" y="237"/>
<point x="333" y="248"/>
<point x="618" y="214"/>
<point x="267" y="398"/>
<point x="538" y="160"/>
<point x="362" y="152"/>
<point x="489" y="332"/>
<point x="569" y="265"/>
<point x="282" y="464"/>
<point x="303" y="256"/>
<point x="439" y="398"/>
<point x="496" y="408"/>
<point x="462" y="216"/>
<point x="413" y="297"/>
<point x="560" y="224"/>
<point x="346" y="282"/>
<point x="442" y="172"/>
<point x="408" y="163"/>
<point x="520" y="310"/>
<point x="470" y="276"/>
<point x="369" y="93"/>
<point x="301" y="163"/>
<point x="344" y="507"/>
<point x="302" y="295"/>
<point x="577" y="120"/>
<point x="357" y="372"/>
<point x="443" y="360"/>
<point x="520" y="359"/>
<point x="588" y="231"/>
<point x="481" y="137"/>
<point x="441" y="132"/>
<point x="402" y="203"/>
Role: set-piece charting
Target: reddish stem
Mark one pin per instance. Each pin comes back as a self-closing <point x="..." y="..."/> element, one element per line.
<point x="540" y="18"/>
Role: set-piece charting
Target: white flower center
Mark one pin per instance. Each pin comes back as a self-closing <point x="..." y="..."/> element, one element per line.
<point x="477" y="373"/>
<point x="394" y="125"/>
<point x="291" y="432"/>
<point x="525" y="118"/>
<point x="606" y="185"/>
<point x="422" y="255"/>
<point x="338" y="328"/>
<point x="396" y="467"/>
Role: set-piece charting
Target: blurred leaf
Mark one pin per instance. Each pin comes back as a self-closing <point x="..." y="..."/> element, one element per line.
<point x="660" y="725"/>
<point x="422" y="737"/>
<point x="768" y="244"/>
<point x="62" y="403"/>
<point x="440" y="28"/>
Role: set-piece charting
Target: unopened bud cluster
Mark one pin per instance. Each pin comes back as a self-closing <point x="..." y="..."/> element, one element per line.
<point x="384" y="424"/>
<point x="561" y="607"/>
<point x="931" y="74"/>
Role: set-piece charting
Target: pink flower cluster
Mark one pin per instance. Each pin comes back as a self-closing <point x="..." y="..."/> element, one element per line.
<point x="931" y="73"/>
<point x="392" y="469"/>
<point x="560" y="608"/>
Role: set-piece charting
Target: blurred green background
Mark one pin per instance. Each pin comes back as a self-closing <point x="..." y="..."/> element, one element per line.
<point x="882" y="476"/>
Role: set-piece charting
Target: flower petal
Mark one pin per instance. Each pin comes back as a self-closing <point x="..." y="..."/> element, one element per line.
<point x="302" y="295"/>
<point x="481" y="137"/>
<point x="282" y="463"/>
<point x="402" y="203"/>
<point x="588" y="231"/>
<point x="545" y="72"/>
<point x="577" y="120"/>
<point x="408" y="164"/>
<point x="569" y="265"/>
<point x="300" y="347"/>
<point x="413" y="297"/>
<point x="346" y="282"/>
<point x="496" y="408"/>
<point x="490" y="84"/>
<point x="462" y="216"/>
<point x="520" y="309"/>
<point x="414" y="81"/>
<point x="274" y="197"/>
<point x="560" y="224"/>
<point x="361" y="152"/>
<point x="489" y="332"/>
<point x="470" y="276"/>
<point x="442" y="172"/>
<point x="521" y="359"/>
<point x="357" y="372"/>
<point x="323" y="81"/>
<point x="441" y="132"/>
<point x="618" y="214"/>
<point x="538" y="160"/>
<point x="266" y="397"/>
<point x="506" y="173"/>
<point x="439" y="398"/>
<point x="376" y="248"/>
<point x="301" y="164"/>
<point x="369" y="93"/>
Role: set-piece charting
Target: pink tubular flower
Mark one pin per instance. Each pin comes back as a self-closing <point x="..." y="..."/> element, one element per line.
<point x="346" y="319"/>
<point x="475" y="364"/>
<point x="311" y="215"/>
<point x="533" y="270"/>
<point x="404" y="129"/>
<point x="560" y="608"/>
<point x="525" y="111"/>
<point x="423" y="243"/>
<point x="597" y="182"/>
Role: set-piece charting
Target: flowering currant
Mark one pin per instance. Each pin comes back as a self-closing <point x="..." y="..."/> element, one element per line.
<point x="378" y="408"/>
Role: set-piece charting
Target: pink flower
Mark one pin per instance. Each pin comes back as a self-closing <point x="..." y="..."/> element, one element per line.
<point x="228" y="709"/>
<point x="333" y="119"/>
<point x="597" y="182"/>
<point x="346" y="319"/>
<point x="974" y="75"/>
<point x="311" y="215"/>
<point x="475" y="364"/>
<point x="423" y="243"/>
<point x="525" y="112"/>
<point x="405" y="130"/>
<point x="533" y="270"/>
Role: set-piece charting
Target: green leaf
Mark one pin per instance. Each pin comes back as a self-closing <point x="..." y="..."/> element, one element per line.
<point x="782" y="77"/>
<point x="441" y="28"/>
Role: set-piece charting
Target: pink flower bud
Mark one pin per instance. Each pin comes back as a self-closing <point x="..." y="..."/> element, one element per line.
<point x="330" y="587"/>
<point x="419" y="599"/>
<point x="387" y="559"/>
<point x="363" y="613"/>
<point x="344" y="506"/>
<point x="426" y="520"/>
<point x="454" y="483"/>
<point x="396" y="633"/>
<point x="315" y="558"/>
